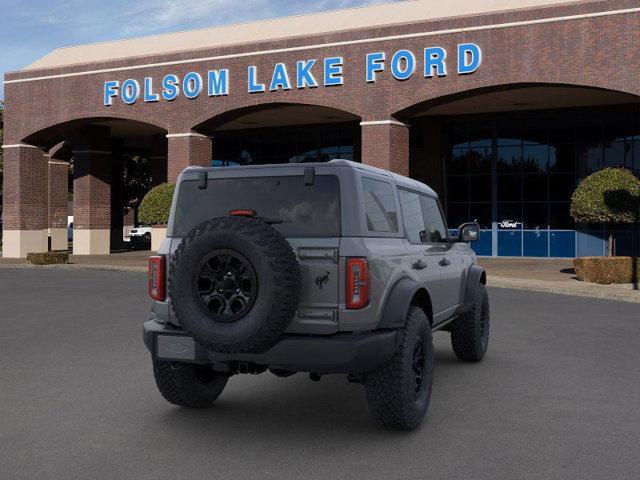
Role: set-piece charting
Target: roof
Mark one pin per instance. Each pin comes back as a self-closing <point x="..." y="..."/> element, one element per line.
<point x="279" y="28"/>
<point x="400" y="180"/>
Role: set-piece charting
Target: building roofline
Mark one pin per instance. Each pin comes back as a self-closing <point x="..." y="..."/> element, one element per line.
<point x="282" y="28"/>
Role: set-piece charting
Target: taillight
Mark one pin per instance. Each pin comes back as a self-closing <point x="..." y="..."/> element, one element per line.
<point x="157" y="278"/>
<point x="357" y="283"/>
<point x="242" y="213"/>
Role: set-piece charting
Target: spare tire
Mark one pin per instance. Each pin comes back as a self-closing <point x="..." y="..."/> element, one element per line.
<point x="234" y="284"/>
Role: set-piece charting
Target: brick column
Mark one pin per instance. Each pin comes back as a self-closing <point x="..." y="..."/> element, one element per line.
<point x="91" y="191"/>
<point x="187" y="149"/>
<point x="385" y="144"/>
<point x="158" y="160"/>
<point x="58" y="191"/>
<point x="91" y="202"/>
<point x="25" y="210"/>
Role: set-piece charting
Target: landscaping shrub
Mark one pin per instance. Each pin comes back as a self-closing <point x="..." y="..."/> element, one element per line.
<point x="607" y="270"/>
<point x="156" y="204"/>
<point x="611" y="195"/>
<point x="48" y="258"/>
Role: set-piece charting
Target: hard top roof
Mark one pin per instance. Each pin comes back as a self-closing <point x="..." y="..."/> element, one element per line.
<point x="400" y="180"/>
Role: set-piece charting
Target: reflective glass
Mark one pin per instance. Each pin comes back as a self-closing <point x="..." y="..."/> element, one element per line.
<point x="380" y="206"/>
<point x="510" y="159"/>
<point x="480" y="188"/>
<point x="509" y="187"/>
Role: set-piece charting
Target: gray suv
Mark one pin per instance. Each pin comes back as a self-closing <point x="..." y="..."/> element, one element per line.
<point x="322" y="268"/>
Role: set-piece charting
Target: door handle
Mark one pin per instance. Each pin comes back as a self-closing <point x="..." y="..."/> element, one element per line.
<point x="420" y="265"/>
<point x="445" y="262"/>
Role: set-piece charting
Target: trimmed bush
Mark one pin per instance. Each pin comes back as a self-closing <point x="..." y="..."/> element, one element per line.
<point x="48" y="258"/>
<point x="611" y="195"/>
<point x="156" y="204"/>
<point x="607" y="270"/>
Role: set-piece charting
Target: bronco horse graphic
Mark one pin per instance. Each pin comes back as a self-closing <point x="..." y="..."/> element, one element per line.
<point x="322" y="279"/>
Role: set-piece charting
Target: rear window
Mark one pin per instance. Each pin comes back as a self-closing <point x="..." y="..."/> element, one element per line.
<point x="305" y="210"/>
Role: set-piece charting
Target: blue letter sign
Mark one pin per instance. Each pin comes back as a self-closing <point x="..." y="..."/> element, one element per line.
<point x="403" y="63"/>
<point x="469" y="58"/>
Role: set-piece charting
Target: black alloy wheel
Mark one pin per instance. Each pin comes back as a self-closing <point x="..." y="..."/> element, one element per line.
<point x="419" y="366"/>
<point x="226" y="285"/>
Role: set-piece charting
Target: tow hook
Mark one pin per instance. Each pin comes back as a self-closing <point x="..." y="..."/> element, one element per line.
<point x="315" y="377"/>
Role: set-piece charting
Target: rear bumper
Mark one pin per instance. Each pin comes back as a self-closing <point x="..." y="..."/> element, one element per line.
<point x="339" y="353"/>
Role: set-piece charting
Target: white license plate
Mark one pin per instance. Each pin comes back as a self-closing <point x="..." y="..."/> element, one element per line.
<point x="174" y="347"/>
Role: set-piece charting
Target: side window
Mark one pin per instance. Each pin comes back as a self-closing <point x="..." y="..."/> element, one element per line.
<point x="412" y="216"/>
<point x="380" y="206"/>
<point x="434" y="223"/>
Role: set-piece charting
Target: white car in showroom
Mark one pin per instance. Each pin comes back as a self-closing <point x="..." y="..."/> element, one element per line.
<point x="139" y="237"/>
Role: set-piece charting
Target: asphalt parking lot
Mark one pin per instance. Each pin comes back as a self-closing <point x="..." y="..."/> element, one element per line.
<point x="558" y="396"/>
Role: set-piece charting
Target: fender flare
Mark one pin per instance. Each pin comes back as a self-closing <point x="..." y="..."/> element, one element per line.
<point x="398" y="302"/>
<point x="475" y="276"/>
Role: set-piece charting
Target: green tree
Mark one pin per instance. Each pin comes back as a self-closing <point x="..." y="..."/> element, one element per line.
<point x="610" y="196"/>
<point x="155" y="206"/>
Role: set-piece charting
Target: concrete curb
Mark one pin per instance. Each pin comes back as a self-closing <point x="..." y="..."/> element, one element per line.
<point x="603" y="292"/>
<point x="74" y="266"/>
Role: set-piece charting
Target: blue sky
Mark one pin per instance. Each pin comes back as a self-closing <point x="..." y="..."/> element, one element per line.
<point x="30" y="29"/>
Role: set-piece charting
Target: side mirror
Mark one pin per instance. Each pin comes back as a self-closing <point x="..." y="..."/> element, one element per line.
<point x="469" y="232"/>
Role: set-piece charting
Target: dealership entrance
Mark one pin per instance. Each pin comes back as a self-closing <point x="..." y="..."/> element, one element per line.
<point x="514" y="171"/>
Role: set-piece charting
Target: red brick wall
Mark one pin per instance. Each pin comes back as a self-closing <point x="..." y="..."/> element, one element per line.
<point x="600" y="52"/>
<point x="185" y="151"/>
<point x="386" y="146"/>
<point x="25" y="189"/>
<point x="92" y="190"/>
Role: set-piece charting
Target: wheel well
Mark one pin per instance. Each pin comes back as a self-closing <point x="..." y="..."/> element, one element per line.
<point x="422" y="299"/>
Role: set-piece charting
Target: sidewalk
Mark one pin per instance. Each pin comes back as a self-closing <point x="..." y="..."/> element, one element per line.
<point x="135" y="261"/>
<point x="551" y="276"/>
<point x="538" y="275"/>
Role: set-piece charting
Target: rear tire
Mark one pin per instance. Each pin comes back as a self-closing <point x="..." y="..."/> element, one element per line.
<point x="470" y="331"/>
<point x="188" y="385"/>
<point x="398" y="392"/>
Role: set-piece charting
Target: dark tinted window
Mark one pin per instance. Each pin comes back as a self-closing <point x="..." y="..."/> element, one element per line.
<point x="380" y="206"/>
<point x="412" y="216"/>
<point x="306" y="211"/>
<point x="436" y="230"/>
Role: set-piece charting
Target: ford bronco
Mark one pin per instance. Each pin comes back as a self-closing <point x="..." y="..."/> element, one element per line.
<point x="324" y="268"/>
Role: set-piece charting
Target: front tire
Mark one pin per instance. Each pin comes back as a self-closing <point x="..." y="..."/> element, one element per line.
<point x="398" y="392"/>
<point x="470" y="331"/>
<point x="188" y="385"/>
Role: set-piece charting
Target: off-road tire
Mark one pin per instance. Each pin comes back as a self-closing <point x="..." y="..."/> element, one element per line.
<point x="470" y="331"/>
<point x="188" y="385"/>
<point x="278" y="284"/>
<point x="390" y="389"/>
